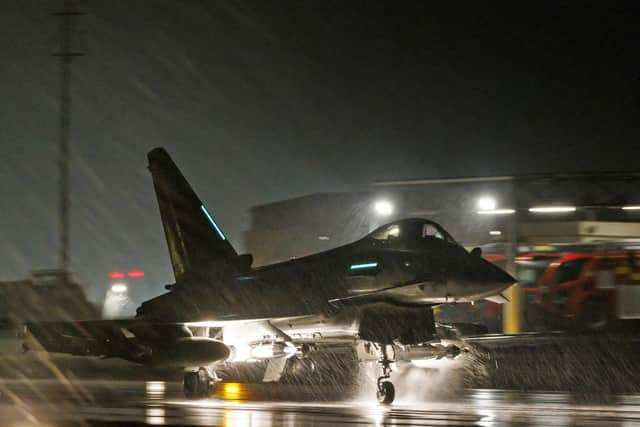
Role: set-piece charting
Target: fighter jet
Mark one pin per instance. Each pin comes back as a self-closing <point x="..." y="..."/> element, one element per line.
<point x="373" y="294"/>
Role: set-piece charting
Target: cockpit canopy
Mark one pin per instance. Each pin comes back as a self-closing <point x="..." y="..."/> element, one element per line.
<point x="411" y="230"/>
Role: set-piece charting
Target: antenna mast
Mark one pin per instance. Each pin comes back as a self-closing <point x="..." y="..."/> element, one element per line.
<point x="65" y="55"/>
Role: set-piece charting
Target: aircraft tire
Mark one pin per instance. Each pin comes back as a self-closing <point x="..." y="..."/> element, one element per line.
<point x="386" y="392"/>
<point x="190" y="385"/>
<point x="196" y="384"/>
<point x="302" y="367"/>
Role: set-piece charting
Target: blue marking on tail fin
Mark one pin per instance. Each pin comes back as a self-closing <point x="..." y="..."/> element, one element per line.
<point x="208" y="215"/>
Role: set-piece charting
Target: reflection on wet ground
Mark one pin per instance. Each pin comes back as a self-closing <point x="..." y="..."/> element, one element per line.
<point x="102" y="403"/>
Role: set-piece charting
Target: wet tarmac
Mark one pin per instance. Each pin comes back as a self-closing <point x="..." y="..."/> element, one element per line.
<point x="100" y="403"/>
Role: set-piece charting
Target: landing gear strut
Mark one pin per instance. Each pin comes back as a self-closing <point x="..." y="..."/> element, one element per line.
<point x="196" y="384"/>
<point x="386" y="391"/>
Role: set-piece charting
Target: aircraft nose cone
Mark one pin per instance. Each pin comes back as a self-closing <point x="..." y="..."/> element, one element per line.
<point x="501" y="276"/>
<point x="508" y="278"/>
<point x="493" y="274"/>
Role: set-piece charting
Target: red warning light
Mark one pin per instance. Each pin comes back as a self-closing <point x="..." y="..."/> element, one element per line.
<point x="135" y="273"/>
<point x="116" y="275"/>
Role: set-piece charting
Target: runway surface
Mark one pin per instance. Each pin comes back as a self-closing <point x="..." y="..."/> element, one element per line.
<point x="100" y="403"/>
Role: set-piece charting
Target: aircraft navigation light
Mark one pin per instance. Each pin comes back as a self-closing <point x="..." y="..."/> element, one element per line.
<point x="210" y="218"/>
<point x="487" y="203"/>
<point x="631" y="208"/>
<point x="497" y="212"/>
<point x="363" y="266"/>
<point x="116" y="275"/>
<point x="552" y="209"/>
<point x="135" y="273"/>
<point x="119" y="287"/>
<point x="495" y="233"/>
<point x="383" y="207"/>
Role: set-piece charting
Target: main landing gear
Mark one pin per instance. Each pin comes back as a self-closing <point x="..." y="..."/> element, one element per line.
<point x="197" y="383"/>
<point x="386" y="391"/>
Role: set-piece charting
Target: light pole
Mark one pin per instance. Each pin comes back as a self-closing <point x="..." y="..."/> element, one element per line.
<point x="382" y="208"/>
<point x="65" y="55"/>
<point x="511" y="311"/>
<point x="487" y="203"/>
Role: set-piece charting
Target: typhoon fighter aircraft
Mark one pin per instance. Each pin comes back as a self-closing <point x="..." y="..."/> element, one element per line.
<point x="375" y="293"/>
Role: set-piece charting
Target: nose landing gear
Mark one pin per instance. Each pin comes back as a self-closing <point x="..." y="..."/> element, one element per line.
<point x="386" y="392"/>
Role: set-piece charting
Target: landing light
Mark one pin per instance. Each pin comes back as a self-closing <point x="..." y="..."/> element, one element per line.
<point x="267" y="351"/>
<point x="262" y="352"/>
<point x="495" y="233"/>
<point x="631" y="208"/>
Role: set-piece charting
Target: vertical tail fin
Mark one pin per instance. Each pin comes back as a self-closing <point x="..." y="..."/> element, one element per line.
<point x="197" y="245"/>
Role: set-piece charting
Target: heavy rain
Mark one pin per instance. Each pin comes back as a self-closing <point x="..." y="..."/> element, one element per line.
<point x="258" y="213"/>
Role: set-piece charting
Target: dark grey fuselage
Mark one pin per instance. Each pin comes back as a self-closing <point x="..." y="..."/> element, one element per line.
<point x="405" y="271"/>
<point x="379" y="289"/>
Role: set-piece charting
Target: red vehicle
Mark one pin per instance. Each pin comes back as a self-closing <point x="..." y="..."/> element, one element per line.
<point x="585" y="290"/>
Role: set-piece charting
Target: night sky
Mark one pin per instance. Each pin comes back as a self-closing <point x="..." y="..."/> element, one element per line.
<point x="259" y="101"/>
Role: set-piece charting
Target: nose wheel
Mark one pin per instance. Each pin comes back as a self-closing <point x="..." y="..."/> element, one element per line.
<point x="386" y="392"/>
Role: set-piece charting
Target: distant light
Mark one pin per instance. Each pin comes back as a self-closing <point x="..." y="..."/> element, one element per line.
<point x="487" y="203"/>
<point x="135" y="273"/>
<point x="631" y="208"/>
<point x="363" y="266"/>
<point x="383" y="207"/>
<point x="544" y="248"/>
<point x="323" y="237"/>
<point x="116" y="275"/>
<point x="119" y="287"/>
<point x="552" y="209"/>
<point x="495" y="233"/>
<point x="497" y="212"/>
<point x="208" y="215"/>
